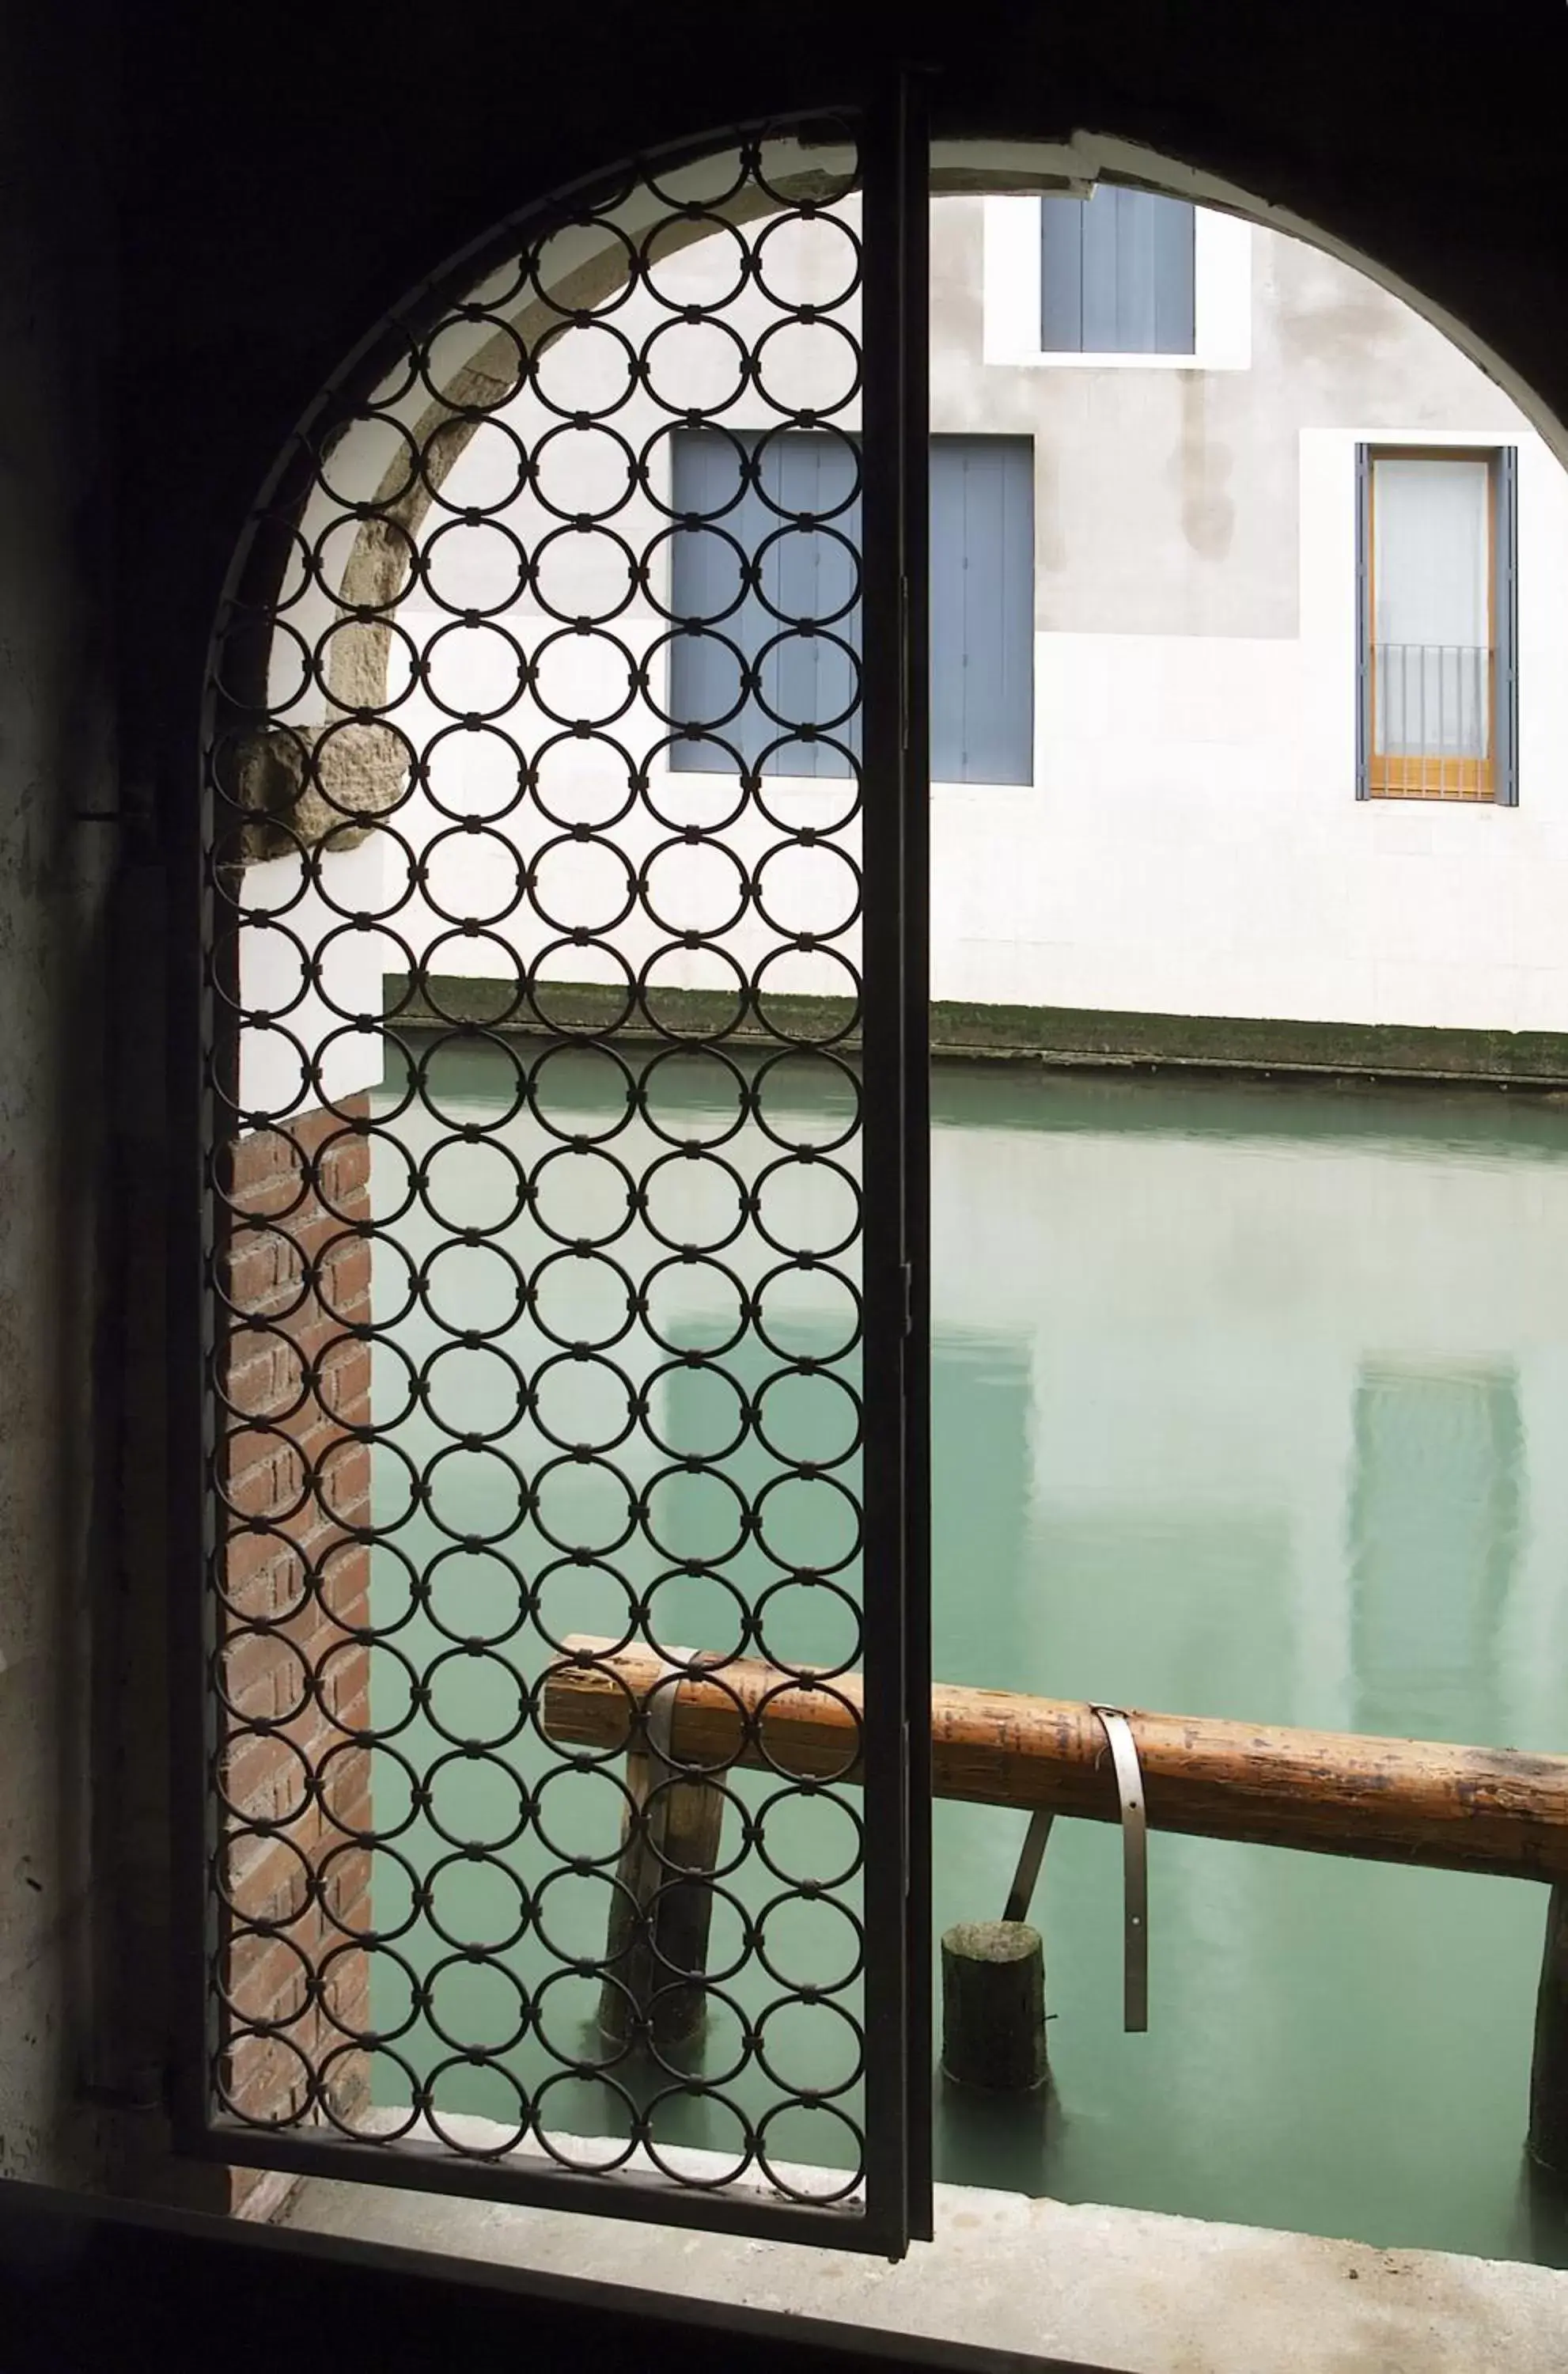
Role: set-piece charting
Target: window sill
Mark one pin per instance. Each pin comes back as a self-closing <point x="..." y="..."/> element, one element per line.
<point x="1487" y="799"/>
<point x="951" y="788"/>
<point x="1051" y="360"/>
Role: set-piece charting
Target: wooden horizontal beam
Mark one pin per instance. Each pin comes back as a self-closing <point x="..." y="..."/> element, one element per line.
<point x="1331" y="1792"/>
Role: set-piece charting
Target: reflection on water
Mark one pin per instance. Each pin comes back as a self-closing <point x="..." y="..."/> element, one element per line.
<point x="1245" y="1401"/>
<point x="1435" y="1524"/>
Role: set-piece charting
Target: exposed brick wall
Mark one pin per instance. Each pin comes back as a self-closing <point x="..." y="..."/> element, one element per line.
<point x="292" y="1674"/>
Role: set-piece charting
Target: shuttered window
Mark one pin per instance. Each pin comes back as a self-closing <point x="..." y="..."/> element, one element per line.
<point x="1116" y="274"/>
<point x="763" y="579"/>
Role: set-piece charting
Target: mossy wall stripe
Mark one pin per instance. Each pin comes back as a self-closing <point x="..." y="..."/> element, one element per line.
<point x="1040" y="1034"/>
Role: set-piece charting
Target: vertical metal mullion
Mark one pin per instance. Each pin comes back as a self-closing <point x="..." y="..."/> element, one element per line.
<point x="895" y="791"/>
<point x="190" y="1715"/>
<point x="203" y="1091"/>
<point x="205" y="1107"/>
<point x="914" y="386"/>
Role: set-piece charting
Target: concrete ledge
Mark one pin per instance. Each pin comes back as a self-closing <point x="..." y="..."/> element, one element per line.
<point x="1246" y="1044"/>
<point x="1068" y="1037"/>
<point x="1115" y="2287"/>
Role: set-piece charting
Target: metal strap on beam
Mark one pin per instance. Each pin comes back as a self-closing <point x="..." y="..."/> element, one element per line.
<point x="1134" y="1869"/>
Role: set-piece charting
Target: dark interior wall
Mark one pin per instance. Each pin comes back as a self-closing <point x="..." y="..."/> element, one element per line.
<point x="56" y="762"/>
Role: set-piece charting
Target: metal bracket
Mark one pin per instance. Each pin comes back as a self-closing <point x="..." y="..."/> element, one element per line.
<point x="1134" y="1869"/>
<point x="1031" y="1857"/>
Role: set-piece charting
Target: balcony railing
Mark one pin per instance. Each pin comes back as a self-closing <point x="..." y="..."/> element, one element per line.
<point x="1431" y="719"/>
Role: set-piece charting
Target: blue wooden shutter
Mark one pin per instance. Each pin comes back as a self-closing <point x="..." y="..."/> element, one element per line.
<point x="1505" y="628"/>
<point x="1363" y="622"/>
<point x="810" y="574"/>
<point x="1061" y="275"/>
<point x="801" y="574"/>
<point x="982" y="614"/>
<point x="1175" y="239"/>
<point x="1110" y="277"/>
<point x="1118" y="274"/>
<point x="707" y="579"/>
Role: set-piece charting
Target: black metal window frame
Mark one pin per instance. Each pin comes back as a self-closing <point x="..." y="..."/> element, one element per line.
<point x="893" y="149"/>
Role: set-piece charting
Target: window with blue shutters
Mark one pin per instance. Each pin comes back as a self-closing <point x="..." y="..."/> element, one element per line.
<point x="1117" y="274"/>
<point x="765" y="594"/>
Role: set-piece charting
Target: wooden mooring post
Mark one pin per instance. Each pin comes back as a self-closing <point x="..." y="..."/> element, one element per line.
<point x="655" y="1949"/>
<point x="1402" y="1800"/>
<point x="993" y="2006"/>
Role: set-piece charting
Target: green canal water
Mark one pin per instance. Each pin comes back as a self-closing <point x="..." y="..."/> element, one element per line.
<point x="1246" y="1401"/>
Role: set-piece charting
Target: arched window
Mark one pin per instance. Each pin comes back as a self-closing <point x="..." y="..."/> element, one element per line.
<point x="571" y="726"/>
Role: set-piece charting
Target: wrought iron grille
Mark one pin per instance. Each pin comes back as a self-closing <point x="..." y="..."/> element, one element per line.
<point x="555" y="1295"/>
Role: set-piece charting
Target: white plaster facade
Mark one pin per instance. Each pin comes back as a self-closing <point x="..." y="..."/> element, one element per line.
<point x="1190" y="842"/>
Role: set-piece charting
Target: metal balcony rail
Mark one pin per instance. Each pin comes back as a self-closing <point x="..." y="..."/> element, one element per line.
<point x="1433" y="700"/>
